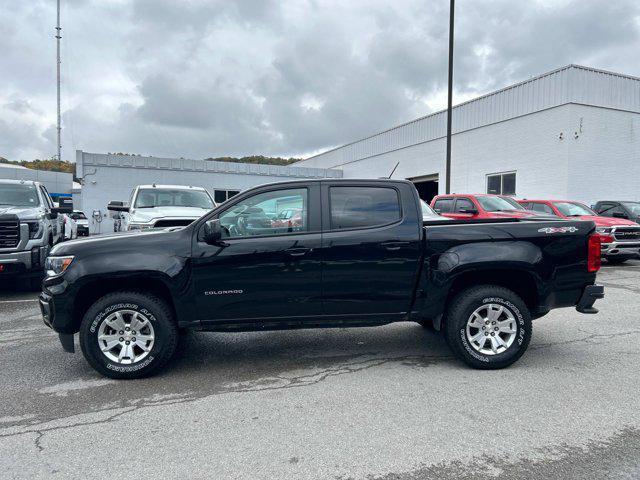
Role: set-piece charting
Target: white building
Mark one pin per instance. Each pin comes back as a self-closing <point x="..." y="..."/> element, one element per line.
<point x="573" y="133"/>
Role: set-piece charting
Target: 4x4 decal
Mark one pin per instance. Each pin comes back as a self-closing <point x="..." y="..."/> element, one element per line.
<point x="558" y="230"/>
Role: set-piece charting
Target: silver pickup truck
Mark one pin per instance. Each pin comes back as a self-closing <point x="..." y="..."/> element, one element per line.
<point x="161" y="206"/>
<point x="30" y="225"/>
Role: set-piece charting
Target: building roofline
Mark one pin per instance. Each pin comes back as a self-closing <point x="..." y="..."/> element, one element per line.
<point x="481" y="97"/>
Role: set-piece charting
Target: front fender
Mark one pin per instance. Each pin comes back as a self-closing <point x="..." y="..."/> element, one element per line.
<point x="94" y="276"/>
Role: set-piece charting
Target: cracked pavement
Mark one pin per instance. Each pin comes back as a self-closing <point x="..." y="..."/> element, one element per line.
<point x="371" y="403"/>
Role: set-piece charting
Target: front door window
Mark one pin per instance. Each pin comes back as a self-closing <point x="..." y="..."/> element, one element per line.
<point x="270" y="213"/>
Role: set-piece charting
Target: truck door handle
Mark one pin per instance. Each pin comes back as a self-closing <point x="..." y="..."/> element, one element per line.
<point x="392" y="246"/>
<point x="298" y="251"/>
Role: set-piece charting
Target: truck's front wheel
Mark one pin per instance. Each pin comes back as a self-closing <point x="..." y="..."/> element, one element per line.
<point x="488" y="327"/>
<point x="128" y="335"/>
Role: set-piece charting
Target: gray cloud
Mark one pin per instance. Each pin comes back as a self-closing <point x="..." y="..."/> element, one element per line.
<point x="205" y="78"/>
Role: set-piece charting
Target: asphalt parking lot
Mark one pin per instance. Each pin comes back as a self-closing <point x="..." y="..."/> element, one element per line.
<point x="373" y="403"/>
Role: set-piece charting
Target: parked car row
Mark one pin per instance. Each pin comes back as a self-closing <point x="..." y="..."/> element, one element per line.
<point x="616" y="222"/>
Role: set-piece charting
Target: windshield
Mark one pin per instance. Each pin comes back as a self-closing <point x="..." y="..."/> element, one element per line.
<point x="495" y="204"/>
<point x="18" y="195"/>
<point x="427" y="211"/>
<point x="78" y="216"/>
<point x="160" y="197"/>
<point x="513" y="203"/>
<point x="571" y="209"/>
<point x="633" y="207"/>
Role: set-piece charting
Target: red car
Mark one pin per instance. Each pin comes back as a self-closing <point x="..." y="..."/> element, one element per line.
<point x="291" y="217"/>
<point x="620" y="237"/>
<point x="464" y="206"/>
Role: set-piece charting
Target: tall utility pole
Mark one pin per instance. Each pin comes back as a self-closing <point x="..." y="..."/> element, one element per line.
<point x="450" y="98"/>
<point x="58" y="37"/>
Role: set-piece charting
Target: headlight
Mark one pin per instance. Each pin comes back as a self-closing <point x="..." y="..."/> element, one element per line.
<point x="57" y="265"/>
<point x="35" y="229"/>
<point x="139" y="226"/>
<point x="603" y="229"/>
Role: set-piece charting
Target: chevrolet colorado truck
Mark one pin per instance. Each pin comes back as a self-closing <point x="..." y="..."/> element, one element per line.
<point x="30" y="225"/>
<point x="361" y="255"/>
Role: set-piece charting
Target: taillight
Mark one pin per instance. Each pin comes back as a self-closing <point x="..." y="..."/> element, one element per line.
<point x="594" y="252"/>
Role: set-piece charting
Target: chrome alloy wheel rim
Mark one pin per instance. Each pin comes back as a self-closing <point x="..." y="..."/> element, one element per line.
<point x="491" y="329"/>
<point x="126" y="336"/>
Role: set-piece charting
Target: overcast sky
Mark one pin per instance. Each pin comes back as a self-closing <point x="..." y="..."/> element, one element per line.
<point x="211" y="78"/>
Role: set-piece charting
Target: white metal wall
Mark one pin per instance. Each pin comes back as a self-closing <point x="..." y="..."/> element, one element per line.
<point x="570" y="84"/>
<point x="529" y="145"/>
<point x="56" y="182"/>
<point x="604" y="158"/>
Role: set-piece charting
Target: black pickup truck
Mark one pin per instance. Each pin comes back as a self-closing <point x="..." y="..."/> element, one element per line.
<point x="347" y="253"/>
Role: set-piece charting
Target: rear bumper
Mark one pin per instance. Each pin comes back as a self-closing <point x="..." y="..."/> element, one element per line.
<point x="590" y="294"/>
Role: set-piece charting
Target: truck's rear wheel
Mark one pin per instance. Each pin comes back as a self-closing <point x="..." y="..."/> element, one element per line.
<point x="488" y="327"/>
<point x="128" y="335"/>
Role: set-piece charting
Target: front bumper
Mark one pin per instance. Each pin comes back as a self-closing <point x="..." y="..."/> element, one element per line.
<point x="48" y="311"/>
<point x="620" y="249"/>
<point x="590" y="294"/>
<point x="22" y="261"/>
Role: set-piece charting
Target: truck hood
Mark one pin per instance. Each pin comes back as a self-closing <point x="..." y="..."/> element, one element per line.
<point x="114" y="242"/>
<point x="606" y="221"/>
<point x="147" y="215"/>
<point x="23" y="213"/>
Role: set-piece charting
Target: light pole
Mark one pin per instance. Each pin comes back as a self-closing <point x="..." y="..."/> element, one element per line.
<point x="58" y="37"/>
<point x="449" y="99"/>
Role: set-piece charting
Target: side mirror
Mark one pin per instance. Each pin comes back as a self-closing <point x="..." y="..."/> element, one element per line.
<point x="471" y="211"/>
<point x="620" y="215"/>
<point x="117" y="206"/>
<point x="212" y="232"/>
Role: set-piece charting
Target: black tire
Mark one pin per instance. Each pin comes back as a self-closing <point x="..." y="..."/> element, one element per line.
<point x="460" y="310"/>
<point x="154" y="309"/>
<point x="616" y="260"/>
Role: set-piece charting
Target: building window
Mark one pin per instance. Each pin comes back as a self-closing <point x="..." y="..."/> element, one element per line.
<point x="502" y="183"/>
<point x="224" y="195"/>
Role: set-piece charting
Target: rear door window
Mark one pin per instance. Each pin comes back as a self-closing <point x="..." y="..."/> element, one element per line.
<point x="443" y="205"/>
<point x="362" y="207"/>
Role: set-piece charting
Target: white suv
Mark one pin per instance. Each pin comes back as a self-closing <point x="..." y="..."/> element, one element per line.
<point x="160" y="206"/>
